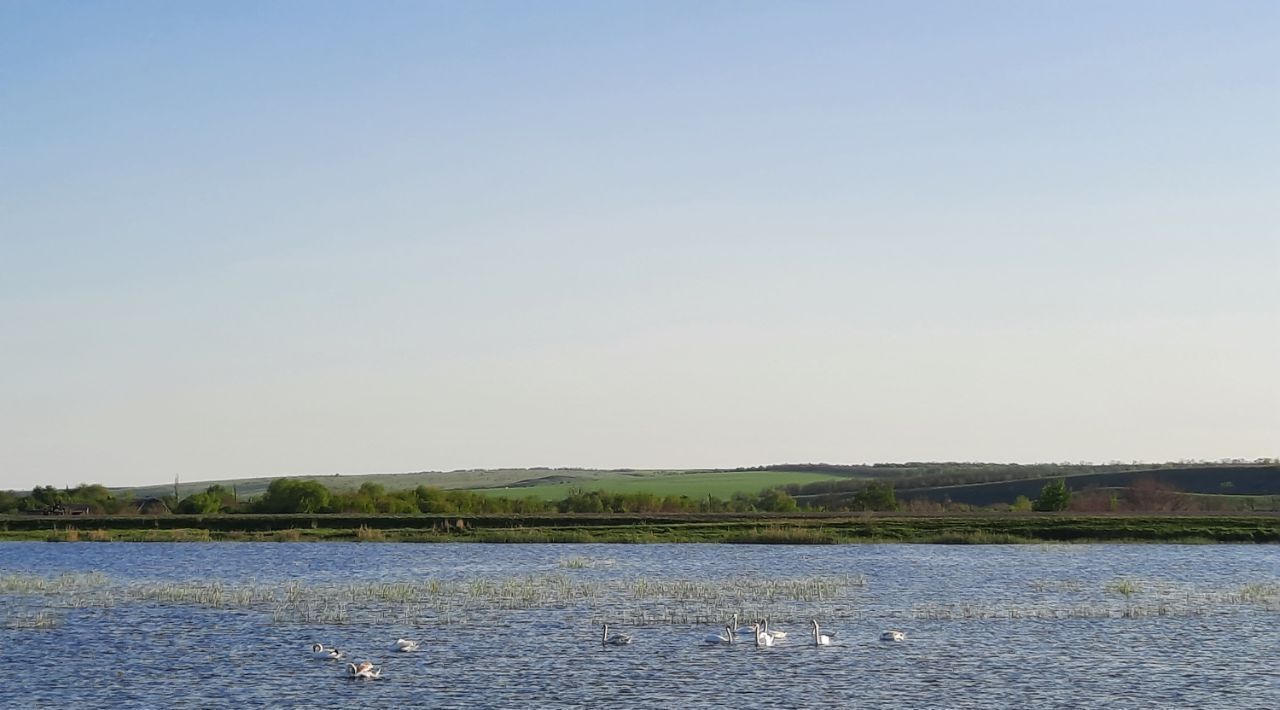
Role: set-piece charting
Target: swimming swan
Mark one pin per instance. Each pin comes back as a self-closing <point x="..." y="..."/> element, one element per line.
<point x="364" y="671"/>
<point x="746" y="629"/>
<point x="762" y="638"/>
<point x="319" y="651"/>
<point x="893" y="635"/>
<point x="718" y="640"/>
<point x="775" y="635"/>
<point x="404" y="645"/>
<point x="819" y="639"/>
<point x="614" y="640"/>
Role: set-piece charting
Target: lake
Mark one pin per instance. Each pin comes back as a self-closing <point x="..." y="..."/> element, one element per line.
<point x="162" y="625"/>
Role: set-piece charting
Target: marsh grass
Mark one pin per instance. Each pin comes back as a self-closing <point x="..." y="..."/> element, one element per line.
<point x="37" y="620"/>
<point x="67" y="534"/>
<point x="365" y="533"/>
<point x="785" y="535"/>
<point x="437" y="601"/>
<point x="1125" y="587"/>
<point x="965" y="537"/>
<point x="743" y="528"/>
<point x="635" y="601"/>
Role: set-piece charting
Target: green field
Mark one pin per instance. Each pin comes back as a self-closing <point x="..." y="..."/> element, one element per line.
<point x="542" y="483"/>
<point x="694" y="484"/>
<point x="477" y="478"/>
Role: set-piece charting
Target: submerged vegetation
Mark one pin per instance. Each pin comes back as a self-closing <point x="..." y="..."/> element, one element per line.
<point x="35" y="602"/>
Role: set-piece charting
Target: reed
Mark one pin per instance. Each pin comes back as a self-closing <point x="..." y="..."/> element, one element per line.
<point x="38" y="620"/>
<point x="290" y="535"/>
<point x="581" y="562"/>
<point x="364" y="533"/>
<point x="1125" y="587"/>
<point x="784" y="535"/>
<point x="642" y="600"/>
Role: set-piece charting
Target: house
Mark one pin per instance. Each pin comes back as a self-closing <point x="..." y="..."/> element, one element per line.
<point x="67" y="509"/>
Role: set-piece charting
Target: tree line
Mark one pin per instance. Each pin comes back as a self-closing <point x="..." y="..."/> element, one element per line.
<point x="292" y="495"/>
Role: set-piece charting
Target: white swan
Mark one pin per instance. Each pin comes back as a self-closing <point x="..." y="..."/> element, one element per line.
<point x="404" y="645"/>
<point x="319" y="651"/>
<point x="775" y="635"/>
<point x="364" y="671"/>
<point x="762" y="638"/>
<point x="614" y="640"/>
<point x="819" y="638"/>
<point x="893" y="635"/>
<point x="718" y="640"/>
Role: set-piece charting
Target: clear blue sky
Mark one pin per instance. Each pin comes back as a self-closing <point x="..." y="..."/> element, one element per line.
<point x="243" y="238"/>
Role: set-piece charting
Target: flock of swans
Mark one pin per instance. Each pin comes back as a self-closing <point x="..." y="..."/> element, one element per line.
<point x="365" y="670"/>
<point x="764" y="637"/>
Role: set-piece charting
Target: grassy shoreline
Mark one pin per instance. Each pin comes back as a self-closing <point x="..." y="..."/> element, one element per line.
<point x="690" y="528"/>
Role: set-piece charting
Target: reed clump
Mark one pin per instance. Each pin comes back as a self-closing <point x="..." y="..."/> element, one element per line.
<point x="784" y="535"/>
<point x="1125" y="587"/>
<point x="67" y="534"/>
<point x="364" y="533"/>
<point x="37" y="620"/>
<point x="580" y="562"/>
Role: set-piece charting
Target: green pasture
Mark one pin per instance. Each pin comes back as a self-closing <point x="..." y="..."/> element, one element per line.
<point x="469" y="479"/>
<point x="694" y="485"/>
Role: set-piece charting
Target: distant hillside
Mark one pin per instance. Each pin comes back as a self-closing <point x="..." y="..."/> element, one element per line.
<point x="973" y="483"/>
<point x="486" y="478"/>
<point x="1247" y="479"/>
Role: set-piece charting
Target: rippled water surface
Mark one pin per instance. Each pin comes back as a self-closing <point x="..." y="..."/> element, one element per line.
<point x="103" y="625"/>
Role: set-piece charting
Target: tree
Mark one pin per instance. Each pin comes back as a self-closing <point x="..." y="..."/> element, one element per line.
<point x="876" y="496"/>
<point x="201" y="504"/>
<point x="1053" y="496"/>
<point x="777" y="501"/>
<point x="286" y="495"/>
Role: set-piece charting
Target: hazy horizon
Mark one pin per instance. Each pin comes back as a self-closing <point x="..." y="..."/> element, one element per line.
<point x="255" y="239"/>
<point x="359" y="474"/>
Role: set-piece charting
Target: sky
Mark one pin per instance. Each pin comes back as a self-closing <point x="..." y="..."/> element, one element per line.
<point x="274" y="238"/>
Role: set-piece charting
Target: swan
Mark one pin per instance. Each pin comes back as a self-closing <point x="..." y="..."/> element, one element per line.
<point x="819" y="639"/>
<point x="762" y="637"/>
<point x="404" y="645"/>
<point x="775" y="635"/>
<point x="893" y="635"/>
<point x="614" y="640"/>
<point x="364" y="671"/>
<point x="740" y="629"/>
<point x="319" y="651"/>
<point x="718" y="640"/>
